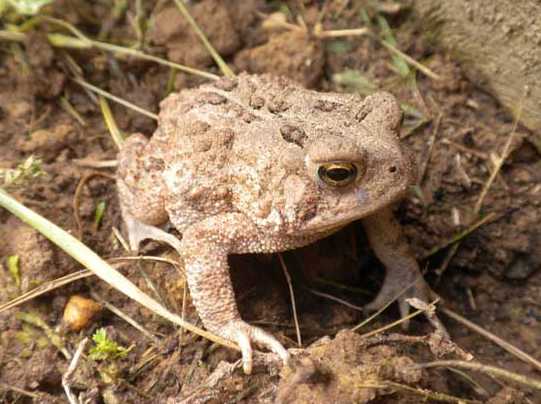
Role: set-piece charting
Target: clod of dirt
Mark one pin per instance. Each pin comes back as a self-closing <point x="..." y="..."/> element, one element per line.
<point x="345" y="370"/>
<point x="37" y="257"/>
<point x="508" y="395"/>
<point x="183" y="46"/>
<point x="47" y="142"/>
<point x="46" y="80"/>
<point x="292" y="54"/>
<point x="40" y="372"/>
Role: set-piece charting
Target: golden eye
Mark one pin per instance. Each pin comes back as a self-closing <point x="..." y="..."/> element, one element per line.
<point x="337" y="174"/>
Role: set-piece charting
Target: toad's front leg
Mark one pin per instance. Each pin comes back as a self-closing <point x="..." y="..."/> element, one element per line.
<point x="205" y="247"/>
<point x="402" y="271"/>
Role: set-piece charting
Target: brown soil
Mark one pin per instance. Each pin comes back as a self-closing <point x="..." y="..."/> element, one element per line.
<point x="493" y="280"/>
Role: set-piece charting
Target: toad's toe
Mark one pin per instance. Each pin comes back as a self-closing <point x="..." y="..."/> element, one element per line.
<point x="138" y="231"/>
<point x="392" y="290"/>
<point x="244" y="334"/>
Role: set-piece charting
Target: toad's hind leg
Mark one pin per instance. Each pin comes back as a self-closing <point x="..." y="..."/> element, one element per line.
<point x="141" y="193"/>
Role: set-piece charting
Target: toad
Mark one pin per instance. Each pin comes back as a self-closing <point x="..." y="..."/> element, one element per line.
<point x="258" y="164"/>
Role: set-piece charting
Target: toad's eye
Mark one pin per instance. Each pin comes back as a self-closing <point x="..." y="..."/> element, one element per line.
<point x="337" y="174"/>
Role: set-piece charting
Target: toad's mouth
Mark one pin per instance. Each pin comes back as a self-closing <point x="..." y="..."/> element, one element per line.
<point x="331" y="223"/>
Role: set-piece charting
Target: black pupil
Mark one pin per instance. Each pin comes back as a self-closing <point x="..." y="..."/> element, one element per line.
<point x="339" y="174"/>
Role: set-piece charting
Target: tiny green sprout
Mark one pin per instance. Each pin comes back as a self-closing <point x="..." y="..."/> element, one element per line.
<point x="13" y="268"/>
<point x="25" y="171"/>
<point x="26" y="7"/>
<point x="106" y="348"/>
<point x="99" y="213"/>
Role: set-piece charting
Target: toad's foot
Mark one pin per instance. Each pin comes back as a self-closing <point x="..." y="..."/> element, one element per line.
<point x="244" y="335"/>
<point x="138" y="231"/>
<point x="394" y="289"/>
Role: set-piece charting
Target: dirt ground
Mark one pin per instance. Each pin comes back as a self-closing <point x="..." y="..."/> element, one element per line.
<point x="455" y="131"/>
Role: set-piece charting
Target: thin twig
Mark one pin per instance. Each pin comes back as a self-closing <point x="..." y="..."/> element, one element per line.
<point x="91" y="163"/>
<point x="426" y="394"/>
<point x="431" y="143"/>
<point x="115" y="310"/>
<point x="66" y="377"/>
<point x="499" y="160"/>
<point x="45" y="288"/>
<point x="140" y="55"/>
<point x="336" y="299"/>
<point x="494" y="338"/>
<point x="423" y="69"/>
<point x="292" y="296"/>
<point x="395" y="323"/>
<point x="23" y="392"/>
<point x="148" y="258"/>
<point x="66" y="105"/>
<point x="384" y="307"/>
<point x="498" y="165"/>
<point x="80" y="40"/>
<point x="116" y="262"/>
<point x="339" y="33"/>
<point x="489" y="370"/>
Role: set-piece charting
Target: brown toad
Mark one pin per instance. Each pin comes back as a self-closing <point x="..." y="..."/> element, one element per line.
<point x="258" y="164"/>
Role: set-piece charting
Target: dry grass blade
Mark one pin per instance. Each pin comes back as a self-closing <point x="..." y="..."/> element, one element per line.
<point x="498" y="165"/>
<point x="499" y="160"/>
<point x="383" y="308"/>
<point x="335" y="299"/>
<point x="116" y="262"/>
<point x="431" y="143"/>
<point x="497" y="340"/>
<point x="31" y="394"/>
<point x="423" y="69"/>
<point x="12" y="36"/>
<point x="88" y="258"/>
<point x="113" y="309"/>
<point x="110" y="122"/>
<point x="426" y="394"/>
<point x="340" y="33"/>
<point x="44" y="288"/>
<point x="140" y="55"/>
<point x="395" y="323"/>
<point x="91" y="163"/>
<point x="66" y="105"/>
<point x="81" y="41"/>
<point x="66" y="378"/>
<point x="292" y="296"/>
<point x="114" y="98"/>
<point x="215" y="55"/>
<point x="466" y="232"/>
<point x="489" y="370"/>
